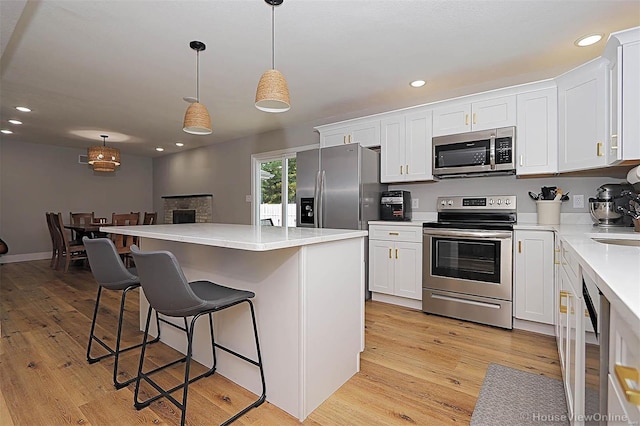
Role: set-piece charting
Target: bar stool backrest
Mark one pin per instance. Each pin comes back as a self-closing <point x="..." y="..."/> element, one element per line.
<point x="106" y="264"/>
<point x="164" y="284"/>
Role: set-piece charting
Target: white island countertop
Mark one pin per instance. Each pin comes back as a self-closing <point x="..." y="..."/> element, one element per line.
<point x="242" y="237"/>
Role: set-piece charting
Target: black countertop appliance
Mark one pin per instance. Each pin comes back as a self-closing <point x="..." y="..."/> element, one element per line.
<point x="395" y="205"/>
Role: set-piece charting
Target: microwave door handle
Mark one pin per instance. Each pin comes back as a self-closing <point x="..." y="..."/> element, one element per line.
<point x="492" y="151"/>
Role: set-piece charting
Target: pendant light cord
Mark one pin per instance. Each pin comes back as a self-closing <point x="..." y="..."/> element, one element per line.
<point x="273" y="43"/>
<point x="198" y="76"/>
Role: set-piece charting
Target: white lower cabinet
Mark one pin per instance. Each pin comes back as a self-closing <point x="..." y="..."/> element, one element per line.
<point x="533" y="266"/>
<point x="624" y="371"/>
<point x="395" y="260"/>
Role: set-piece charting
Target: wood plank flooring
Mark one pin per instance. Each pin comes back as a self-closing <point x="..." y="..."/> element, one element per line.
<point x="416" y="369"/>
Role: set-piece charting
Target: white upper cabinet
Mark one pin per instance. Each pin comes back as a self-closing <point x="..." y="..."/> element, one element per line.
<point x="623" y="53"/>
<point x="405" y="147"/>
<point x="537" y="132"/>
<point x="482" y="114"/>
<point x="366" y="133"/>
<point x="582" y="117"/>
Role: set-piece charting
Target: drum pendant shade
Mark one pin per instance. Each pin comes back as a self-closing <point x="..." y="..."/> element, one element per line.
<point x="103" y="158"/>
<point x="272" y="94"/>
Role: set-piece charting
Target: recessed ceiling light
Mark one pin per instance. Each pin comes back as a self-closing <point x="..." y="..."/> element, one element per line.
<point x="15" y="121"/>
<point x="23" y="109"/>
<point x="179" y="144"/>
<point x="588" y="40"/>
<point x="418" y="83"/>
<point x="159" y="149"/>
<point x="6" y="131"/>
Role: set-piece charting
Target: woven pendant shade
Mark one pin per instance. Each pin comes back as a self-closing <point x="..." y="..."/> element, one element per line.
<point x="197" y="120"/>
<point x="273" y="93"/>
<point x="103" y="158"/>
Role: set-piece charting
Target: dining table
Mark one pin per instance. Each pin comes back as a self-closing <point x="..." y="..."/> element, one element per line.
<point x="91" y="230"/>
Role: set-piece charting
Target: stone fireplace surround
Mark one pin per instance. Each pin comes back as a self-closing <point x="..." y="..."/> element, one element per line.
<point x="201" y="203"/>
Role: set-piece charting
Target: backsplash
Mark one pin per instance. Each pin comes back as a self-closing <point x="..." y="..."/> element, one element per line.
<point x="201" y="203"/>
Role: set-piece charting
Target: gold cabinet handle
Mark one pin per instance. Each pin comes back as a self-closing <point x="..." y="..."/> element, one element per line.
<point x="521" y="161"/>
<point x="344" y="139"/>
<point x="400" y="169"/>
<point x="599" y="149"/>
<point x="625" y="375"/>
<point x="349" y="138"/>
<point x="474" y="118"/>
<point x="466" y="119"/>
<point x="407" y="169"/>
<point x="563" y="308"/>
<point x="614" y="146"/>
<point x="519" y="246"/>
<point x="394" y="233"/>
<point x="556" y="252"/>
<point x="389" y="253"/>
<point x="396" y="253"/>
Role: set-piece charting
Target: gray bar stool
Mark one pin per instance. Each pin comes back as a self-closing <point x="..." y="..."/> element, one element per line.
<point x="110" y="273"/>
<point x="169" y="293"/>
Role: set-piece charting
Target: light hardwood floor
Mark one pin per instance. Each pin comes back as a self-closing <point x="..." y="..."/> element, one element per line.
<point x="416" y="369"/>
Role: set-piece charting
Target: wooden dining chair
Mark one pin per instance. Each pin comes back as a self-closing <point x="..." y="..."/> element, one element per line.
<point x="123" y="242"/>
<point x="67" y="250"/>
<point x="137" y="213"/>
<point x="150" y="218"/>
<point x="54" y="239"/>
<point x="80" y="219"/>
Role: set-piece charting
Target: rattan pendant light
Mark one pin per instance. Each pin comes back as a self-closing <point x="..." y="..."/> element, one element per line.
<point x="197" y="120"/>
<point x="103" y="158"/>
<point x="273" y="94"/>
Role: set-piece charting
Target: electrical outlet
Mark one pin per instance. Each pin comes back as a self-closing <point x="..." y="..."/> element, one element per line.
<point x="247" y="198"/>
<point x="415" y="203"/>
<point x="578" y="201"/>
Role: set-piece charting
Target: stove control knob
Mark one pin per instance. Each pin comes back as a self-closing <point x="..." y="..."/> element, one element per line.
<point x="507" y="201"/>
<point x="499" y="201"/>
<point x="443" y="203"/>
<point x="450" y="203"/>
<point x="490" y="201"/>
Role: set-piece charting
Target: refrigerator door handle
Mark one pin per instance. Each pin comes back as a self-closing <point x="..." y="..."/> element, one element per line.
<point x="316" y="201"/>
<point x="321" y="197"/>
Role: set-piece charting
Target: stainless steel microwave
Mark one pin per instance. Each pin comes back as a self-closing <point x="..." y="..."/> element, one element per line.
<point x="478" y="153"/>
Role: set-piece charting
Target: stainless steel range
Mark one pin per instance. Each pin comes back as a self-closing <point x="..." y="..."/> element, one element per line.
<point x="468" y="260"/>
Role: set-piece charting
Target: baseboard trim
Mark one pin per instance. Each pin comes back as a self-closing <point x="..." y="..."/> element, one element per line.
<point x="12" y="258"/>
<point x="397" y="300"/>
<point x="534" y="327"/>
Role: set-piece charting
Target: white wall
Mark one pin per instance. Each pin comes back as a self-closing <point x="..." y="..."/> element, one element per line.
<point x="36" y="178"/>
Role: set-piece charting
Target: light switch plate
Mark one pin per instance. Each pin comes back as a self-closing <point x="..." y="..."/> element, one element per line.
<point x="578" y="201"/>
<point x="247" y="198"/>
<point x="415" y="203"/>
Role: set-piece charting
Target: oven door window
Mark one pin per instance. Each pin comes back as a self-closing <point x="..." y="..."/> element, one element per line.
<point x="463" y="154"/>
<point x="476" y="260"/>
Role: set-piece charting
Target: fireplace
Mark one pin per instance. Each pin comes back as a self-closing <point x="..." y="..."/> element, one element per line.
<point x="184" y="216"/>
<point x="196" y="208"/>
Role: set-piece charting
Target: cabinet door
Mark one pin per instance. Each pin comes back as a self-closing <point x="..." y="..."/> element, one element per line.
<point x="452" y="119"/>
<point x="418" y="146"/>
<point x="624" y="350"/>
<point x="563" y="320"/>
<point x="534" y="276"/>
<point x="408" y="270"/>
<point x="366" y="134"/>
<point x="493" y="113"/>
<point x="334" y="137"/>
<point x="630" y="90"/>
<point x="381" y="272"/>
<point x="537" y="132"/>
<point x="582" y="117"/>
<point x="392" y="147"/>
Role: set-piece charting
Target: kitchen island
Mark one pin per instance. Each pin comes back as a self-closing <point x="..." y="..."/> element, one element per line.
<point x="309" y="286"/>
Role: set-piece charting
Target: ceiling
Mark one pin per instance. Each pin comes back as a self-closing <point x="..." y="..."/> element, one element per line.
<point x="122" y="68"/>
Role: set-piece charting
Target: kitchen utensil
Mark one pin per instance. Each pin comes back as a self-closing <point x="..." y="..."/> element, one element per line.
<point x="565" y="197"/>
<point x="534" y="196"/>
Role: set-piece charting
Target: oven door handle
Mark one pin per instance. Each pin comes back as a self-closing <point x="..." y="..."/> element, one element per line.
<point x="467" y="234"/>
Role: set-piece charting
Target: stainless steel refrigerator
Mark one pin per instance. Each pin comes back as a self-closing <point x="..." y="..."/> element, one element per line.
<point x="339" y="187"/>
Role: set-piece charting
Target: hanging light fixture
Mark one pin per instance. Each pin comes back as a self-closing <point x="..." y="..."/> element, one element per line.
<point x="197" y="120"/>
<point x="103" y="158"/>
<point x="273" y="94"/>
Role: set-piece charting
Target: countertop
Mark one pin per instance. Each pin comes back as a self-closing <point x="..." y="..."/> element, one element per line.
<point x="615" y="268"/>
<point x="242" y="237"/>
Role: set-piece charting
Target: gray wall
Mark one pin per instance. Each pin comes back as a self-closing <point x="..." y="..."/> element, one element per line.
<point x="223" y="170"/>
<point x="36" y="178"/>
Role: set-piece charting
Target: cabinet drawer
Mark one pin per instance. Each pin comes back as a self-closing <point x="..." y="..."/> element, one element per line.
<point x="568" y="261"/>
<point x="396" y="233"/>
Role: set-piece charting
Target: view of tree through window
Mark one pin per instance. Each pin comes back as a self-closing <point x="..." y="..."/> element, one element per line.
<point x="272" y="186"/>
